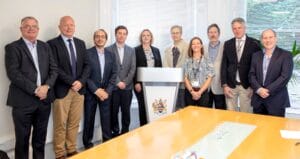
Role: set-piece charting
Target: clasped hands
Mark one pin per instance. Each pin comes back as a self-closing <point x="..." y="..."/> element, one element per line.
<point x="101" y="94"/>
<point x="41" y="91"/>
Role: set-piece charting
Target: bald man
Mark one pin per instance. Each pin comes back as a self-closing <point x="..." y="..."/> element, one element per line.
<point x="271" y="70"/>
<point x="70" y="55"/>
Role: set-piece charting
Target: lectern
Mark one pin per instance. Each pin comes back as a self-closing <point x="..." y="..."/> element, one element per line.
<point x="160" y="87"/>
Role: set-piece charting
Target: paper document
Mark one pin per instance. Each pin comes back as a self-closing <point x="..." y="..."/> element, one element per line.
<point x="289" y="134"/>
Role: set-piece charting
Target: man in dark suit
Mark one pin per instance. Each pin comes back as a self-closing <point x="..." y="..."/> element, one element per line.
<point x="271" y="70"/>
<point x="100" y="85"/>
<point x="146" y="56"/>
<point x="32" y="71"/>
<point x="122" y="93"/>
<point x="70" y="55"/>
<point x="235" y="67"/>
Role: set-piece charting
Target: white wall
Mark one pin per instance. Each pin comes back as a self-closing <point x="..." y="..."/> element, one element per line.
<point x="48" y="12"/>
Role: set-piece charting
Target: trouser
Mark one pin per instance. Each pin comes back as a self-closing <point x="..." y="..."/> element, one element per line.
<point x="67" y="113"/>
<point x="217" y="99"/>
<point x="91" y="102"/>
<point x="241" y="99"/>
<point x="120" y="99"/>
<point x="25" y="118"/>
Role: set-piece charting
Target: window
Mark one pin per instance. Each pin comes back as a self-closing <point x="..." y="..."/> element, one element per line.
<point x="281" y="15"/>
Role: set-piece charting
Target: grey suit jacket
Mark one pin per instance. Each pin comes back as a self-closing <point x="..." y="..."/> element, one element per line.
<point x="126" y="69"/>
<point x="216" y="86"/>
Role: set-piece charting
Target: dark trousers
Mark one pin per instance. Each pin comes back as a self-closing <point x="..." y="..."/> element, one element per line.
<point x="142" y="107"/>
<point x="265" y="110"/>
<point x="120" y="99"/>
<point x="203" y="101"/>
<point x="90" y="106"/>
<point x="25" y="118"/>
<point x="180" y="102"/>
<point x="218" y="99"/>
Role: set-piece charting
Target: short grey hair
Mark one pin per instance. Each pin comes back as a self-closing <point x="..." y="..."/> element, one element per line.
<point x="176" y="26"/>
<point x="269" y="29"/>
<point x="238" y="20"/>
<point x="29" y="18"/>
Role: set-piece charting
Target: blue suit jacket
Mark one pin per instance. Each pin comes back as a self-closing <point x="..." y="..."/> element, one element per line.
<point x="278" y="75"/>
<point x="110" y="71"/>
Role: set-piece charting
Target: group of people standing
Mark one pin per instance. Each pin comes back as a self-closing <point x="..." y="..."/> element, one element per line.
<point x="234" y="75"/>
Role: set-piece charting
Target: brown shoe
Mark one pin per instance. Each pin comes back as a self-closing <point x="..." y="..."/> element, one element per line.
<point x="61" y="157"/>
<point x="72" y="154"/>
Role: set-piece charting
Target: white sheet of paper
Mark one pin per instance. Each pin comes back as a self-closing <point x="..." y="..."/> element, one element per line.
<point x="289" y="134"/>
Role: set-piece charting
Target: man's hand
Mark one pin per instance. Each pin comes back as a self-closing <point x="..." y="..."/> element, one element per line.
<point x="101" y="94"/>
<point x="228" y="92"/>
<point x="121" y="85"/>
<point x="263" y="92"/>
<point x="76" y="86"/>
<point x="42" y="91"/>
<point x="138" y="87"/>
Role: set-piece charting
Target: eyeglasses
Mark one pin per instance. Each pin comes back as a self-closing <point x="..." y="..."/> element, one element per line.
<point x="27" y="27"/>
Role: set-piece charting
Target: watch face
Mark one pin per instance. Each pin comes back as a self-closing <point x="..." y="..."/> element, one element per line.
<point x="195" y="83"/>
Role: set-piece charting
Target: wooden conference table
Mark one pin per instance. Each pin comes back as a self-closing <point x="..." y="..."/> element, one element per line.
<point x="161" y="139"/>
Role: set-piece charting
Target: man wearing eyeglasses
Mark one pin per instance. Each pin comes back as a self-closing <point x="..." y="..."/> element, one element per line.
<point x="32" y="72"/>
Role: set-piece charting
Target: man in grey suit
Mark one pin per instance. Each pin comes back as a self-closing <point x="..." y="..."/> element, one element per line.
<point x="122" y="93"/>
<point x="214" y="51"/>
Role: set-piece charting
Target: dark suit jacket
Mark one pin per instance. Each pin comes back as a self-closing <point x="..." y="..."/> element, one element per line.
<point x="230" y="63"/>
<point x="141" y="60"/>
<point x="22" y="73"/>
<point x="126" y="69"/>
<point x="278" y="74"/>
<point x="110" y="71"/>
<point x="61" y="56"/>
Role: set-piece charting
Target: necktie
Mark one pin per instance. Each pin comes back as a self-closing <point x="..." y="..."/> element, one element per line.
<point x="175" y="52"/>
<point x="73" y="58"/>
<point x="239" y="54"/>
<point x="239" y="49"/>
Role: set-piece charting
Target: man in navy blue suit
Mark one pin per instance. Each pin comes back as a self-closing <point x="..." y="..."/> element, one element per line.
<point x="271" y="70"/>
<point x="100" y="85"/>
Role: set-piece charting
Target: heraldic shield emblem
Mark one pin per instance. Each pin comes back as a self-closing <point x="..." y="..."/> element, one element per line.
<point x="159" y="106"/>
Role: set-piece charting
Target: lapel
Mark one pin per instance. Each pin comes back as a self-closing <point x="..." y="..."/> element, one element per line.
<point x="95" y="59"/>
<point x="126" y="56"/>
<point x="260" y="66"/>
<point x="26" y="50"/>
<point x="41" y="57"/>
<point x="272" y="63"/>
<point x="78" y="54"/>
<point x="64" y="52"/>
<point x="143" y="56"/>
<point x="234" y="50"/>
<point x="115" y="49"/>
<point x="246" y="45"/>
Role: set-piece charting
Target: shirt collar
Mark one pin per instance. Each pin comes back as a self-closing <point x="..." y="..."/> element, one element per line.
<point x="243" y="38"/>
<point x="264" y="51"/>
<point x="65" y="38"/>
<point x="100" y="51"/>
<point x="217" y="45"/>
<point x="29" y="43"/>
<point x="120" y="45"/>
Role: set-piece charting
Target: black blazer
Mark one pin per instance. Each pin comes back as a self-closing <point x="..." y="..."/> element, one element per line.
<point x="141" y="60"/>
<point x="278" y="75"/>
<point x="61" y="56"/>
<point x="110" y="71"/>
<point x="230" y="63"/>
<point x="22" y="73"/>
